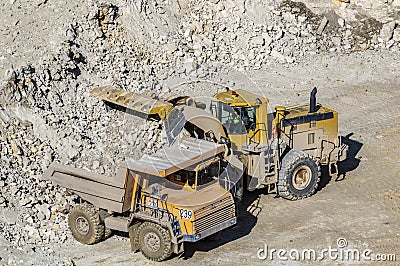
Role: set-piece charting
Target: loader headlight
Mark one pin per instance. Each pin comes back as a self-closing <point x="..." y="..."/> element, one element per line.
<point x="197" y="237"/>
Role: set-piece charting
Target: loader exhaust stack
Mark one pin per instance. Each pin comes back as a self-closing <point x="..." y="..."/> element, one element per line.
<point x="313" y="101"/>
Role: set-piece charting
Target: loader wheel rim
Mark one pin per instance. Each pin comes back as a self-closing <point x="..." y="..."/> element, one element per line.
<point x="152" y="242"/>
<point x="301" y="177"/>
<point x="82" y="225"/>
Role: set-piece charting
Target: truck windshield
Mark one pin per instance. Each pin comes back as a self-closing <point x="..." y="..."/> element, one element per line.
<point x="208" y="174"/>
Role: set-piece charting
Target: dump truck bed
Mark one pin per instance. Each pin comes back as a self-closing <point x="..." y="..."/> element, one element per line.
<point x="103" y="192"/>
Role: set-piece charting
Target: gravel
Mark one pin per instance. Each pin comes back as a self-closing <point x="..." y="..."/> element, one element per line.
<point x="47" y="113"/>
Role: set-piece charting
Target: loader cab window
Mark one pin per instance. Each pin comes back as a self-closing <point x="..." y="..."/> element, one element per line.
<point x="248" y="116"/>
<point x="229" y="118"/>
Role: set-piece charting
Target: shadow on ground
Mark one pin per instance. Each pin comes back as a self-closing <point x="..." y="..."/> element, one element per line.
<point x="247" y="219"/>
<point x="349" y="164"/>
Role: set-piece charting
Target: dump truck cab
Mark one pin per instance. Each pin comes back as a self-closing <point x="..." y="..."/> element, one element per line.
<point x="189" y="214"/>
<point x="190" y="181"/>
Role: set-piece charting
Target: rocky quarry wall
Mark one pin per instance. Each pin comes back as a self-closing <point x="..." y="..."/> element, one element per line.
<point x="48" y="115"/>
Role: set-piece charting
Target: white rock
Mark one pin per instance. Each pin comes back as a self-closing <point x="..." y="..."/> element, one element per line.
<point x="257" y="40"/>
<point x="293" y="30"/>
<point x="396" y="34"/>
<point x="190" y="65"/>
<point x="322" y="25"/>
<point x="268" y="39"/>
<point x="179" y="53"/>
<point x="44" y="210"/>
<point x="341" y="22"/>
<point x="278" y="55"/>
<point x="387" y="31"/>
<point x="95" y="165"/>
<point x="32" y="231"/>
<point x="208" y="42"/>
<point x="279" y="35"/>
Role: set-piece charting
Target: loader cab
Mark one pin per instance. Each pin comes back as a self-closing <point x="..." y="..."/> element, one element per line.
<point x="251" y="111"/>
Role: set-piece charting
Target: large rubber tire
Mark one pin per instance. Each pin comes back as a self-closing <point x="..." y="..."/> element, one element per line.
<point x="299" y="175"/>
<point x="85" y="225"/>
<point x="107" y="232"/>
<point x="154" y="241"/>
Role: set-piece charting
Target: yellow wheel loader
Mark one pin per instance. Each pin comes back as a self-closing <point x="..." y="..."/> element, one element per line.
<point x="284" y="149"/>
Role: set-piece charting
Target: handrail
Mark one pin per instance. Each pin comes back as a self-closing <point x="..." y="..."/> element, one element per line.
<point x="158" y="212"/>
<point x="255" y="132"/>
<point x="322" y="146"/>
<point x="290" y="135"/>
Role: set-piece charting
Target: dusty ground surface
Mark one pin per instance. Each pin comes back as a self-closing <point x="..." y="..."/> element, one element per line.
<point x="59" y="51"/>
<point x="363" y="208"/>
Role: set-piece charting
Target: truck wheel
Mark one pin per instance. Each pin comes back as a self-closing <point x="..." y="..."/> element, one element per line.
<point x="154" y="241"/>
<point x="107" y="232"/>
<point x="299" y="175"/>
<point x="85" y="225"/>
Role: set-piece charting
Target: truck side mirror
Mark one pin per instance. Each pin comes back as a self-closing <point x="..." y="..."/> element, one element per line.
<point x="155" y="190"/>
<point x="164" y="197"/>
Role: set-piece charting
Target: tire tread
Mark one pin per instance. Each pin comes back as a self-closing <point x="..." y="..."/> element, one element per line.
<point x="291" y="158"/>
<point x="96" y="226"/>
<point x="166" y="238"/>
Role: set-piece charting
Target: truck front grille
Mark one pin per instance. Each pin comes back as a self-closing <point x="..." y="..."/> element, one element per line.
<point x="214" y="206"/>
<point x="214" y="214"/>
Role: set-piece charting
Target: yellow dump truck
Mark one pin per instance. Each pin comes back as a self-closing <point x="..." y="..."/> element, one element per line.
<point x="179" y="194"/>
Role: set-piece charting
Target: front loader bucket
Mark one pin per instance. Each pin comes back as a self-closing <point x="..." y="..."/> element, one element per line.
<point x="141" y="104"/>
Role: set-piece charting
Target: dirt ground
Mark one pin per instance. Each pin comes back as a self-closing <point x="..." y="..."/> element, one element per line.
<point x="362" y="206"/>
<point x="359" y="211"/>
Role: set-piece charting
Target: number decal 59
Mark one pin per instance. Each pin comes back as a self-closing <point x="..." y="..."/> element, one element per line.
<point x="185" y="214"/>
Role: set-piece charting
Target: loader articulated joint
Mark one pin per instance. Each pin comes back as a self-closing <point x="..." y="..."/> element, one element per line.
<point x="313" y="101"/>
